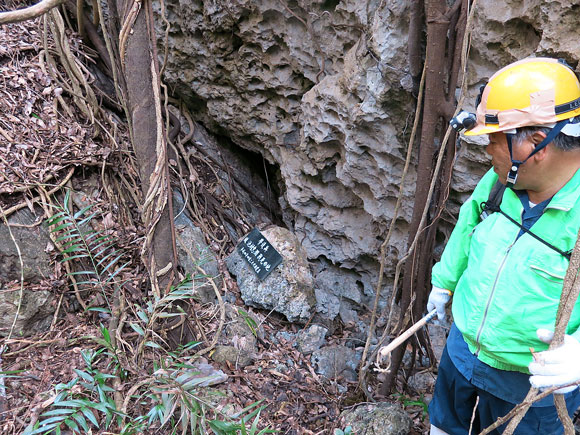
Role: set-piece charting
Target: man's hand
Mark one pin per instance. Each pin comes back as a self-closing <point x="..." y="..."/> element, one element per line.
<point x="438" y="298"/>
<point x="560" y="366"/>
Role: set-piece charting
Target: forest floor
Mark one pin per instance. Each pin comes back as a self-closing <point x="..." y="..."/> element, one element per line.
<point x="45" y="140"/>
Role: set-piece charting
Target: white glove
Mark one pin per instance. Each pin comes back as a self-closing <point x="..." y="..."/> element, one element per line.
<point x="438" y="298"/>
<point x="560" y="366"/>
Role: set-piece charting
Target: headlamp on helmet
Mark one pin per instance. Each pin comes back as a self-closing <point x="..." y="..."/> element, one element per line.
<point x="464" y="120"/>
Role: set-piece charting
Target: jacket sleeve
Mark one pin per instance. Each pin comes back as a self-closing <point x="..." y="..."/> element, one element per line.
<point x="446" y="273"/>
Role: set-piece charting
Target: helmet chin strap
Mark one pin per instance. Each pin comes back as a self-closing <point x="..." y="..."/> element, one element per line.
<point x="512" y="175"/>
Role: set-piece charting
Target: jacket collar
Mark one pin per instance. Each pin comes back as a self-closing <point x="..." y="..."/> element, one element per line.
<point x="568" y="195"/>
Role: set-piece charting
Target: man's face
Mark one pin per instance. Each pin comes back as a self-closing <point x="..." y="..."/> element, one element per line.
<point x="500" y="156"/>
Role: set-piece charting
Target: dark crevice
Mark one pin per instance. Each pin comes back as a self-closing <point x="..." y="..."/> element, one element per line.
<point x="263" y="172"/>
<point x="330" y="5"/>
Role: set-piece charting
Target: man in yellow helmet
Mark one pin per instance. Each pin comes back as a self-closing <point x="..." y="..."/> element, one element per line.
<point x="506" y="259"/>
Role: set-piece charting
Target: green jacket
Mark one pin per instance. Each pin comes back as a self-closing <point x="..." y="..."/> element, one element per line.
<point x="506" y="289"/>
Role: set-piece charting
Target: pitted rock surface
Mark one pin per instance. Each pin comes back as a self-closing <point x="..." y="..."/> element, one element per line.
<point x="288" y="289"/>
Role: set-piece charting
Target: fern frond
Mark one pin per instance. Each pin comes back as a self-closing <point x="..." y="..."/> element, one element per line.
<point x="79" y="241"/>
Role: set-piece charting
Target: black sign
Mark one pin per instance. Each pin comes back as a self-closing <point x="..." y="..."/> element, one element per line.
<point x="259" y="253"/>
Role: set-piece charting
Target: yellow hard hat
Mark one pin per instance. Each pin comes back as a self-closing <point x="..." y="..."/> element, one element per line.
<point x="534" y="91"/>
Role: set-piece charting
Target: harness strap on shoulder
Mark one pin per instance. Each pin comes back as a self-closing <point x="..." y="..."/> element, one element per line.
<point x="492" y="205"/>
<point x="493" y="201"/>
<point x="567" y="254"/>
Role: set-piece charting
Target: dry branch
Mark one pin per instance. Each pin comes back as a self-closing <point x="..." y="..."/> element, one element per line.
<point x="29" y="13"/>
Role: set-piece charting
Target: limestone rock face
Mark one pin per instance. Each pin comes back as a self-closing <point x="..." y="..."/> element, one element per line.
<point x="304" y="86"/>
<point x="289" y="289"/>
<point x="321" y="89"/>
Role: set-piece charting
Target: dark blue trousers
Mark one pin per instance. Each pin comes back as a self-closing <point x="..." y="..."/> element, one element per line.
<point x="451" y="408"/>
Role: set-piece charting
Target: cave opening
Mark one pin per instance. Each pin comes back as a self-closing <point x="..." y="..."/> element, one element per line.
<point x="257" y="175"/>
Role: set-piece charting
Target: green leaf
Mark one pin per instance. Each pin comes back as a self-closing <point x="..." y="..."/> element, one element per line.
<point x="84" y="375"/>
<point x="62" y="226"/>
<point x="73" y="403"/>
<point x="153" y="345"/>
<point x="100" y="310"/>
<point x="254" y="427"/>
<point x="90" y="234"/>
<point x="86" y="220"/>
<point x="155" y="413"/>
<point x="74" y="257"/>
<point x="44" y="428"/>
<point x="143" y="316"/>
<point x="223" y="427"/>
<point x="56" y="217"/>
<point x="68" y="236"/>
<point x="119" y="269"/>
<point x="66" y="199"/>
<point x="82" y="211"/>
<point x="74" y="248"/>
<point x="105" y="258"/>
<point x="83" y="272"/>
<point x="90" y="416"/>
<point x="71" y="424"/>
<point x="50" y="420"/>
<point x="7" y="373"/>
<point x="247" y="408"/>
<point x="108" y="389"/>
<point x="102" y="248"/>
<point x="112" y="262"/>
<point x="105" y="332"/>
<point x="102" y="407"/>
<point x="137" y="328"/>
<point x="56" y="220"/>
<point x="80" y="419"/>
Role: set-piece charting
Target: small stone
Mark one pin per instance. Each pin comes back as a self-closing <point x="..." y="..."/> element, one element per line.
<point x="232" y="355"/>
<point x="334" y="361"/>
<point x="311" y="339"/>
<point x="378" y="419"/>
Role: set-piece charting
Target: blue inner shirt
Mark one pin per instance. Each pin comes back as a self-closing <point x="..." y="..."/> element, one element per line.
<point x="506" y="385"/>
<point x="531" y="214"/>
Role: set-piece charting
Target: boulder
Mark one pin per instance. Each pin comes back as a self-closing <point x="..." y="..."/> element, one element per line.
<point x="337" y="291"/>
<point x="329" y="93"/>
<point x="33" y="243"/>
<point x="35" y="311"/>
<point x="35" y="308"/>
<point x="193" y="255"/>
<point x="193" y="252"/>
<point x="288" y="289"/>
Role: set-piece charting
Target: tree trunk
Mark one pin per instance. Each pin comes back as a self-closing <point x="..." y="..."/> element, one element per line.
<point x="140" y="72"/>
<point x="440" y="82"/>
